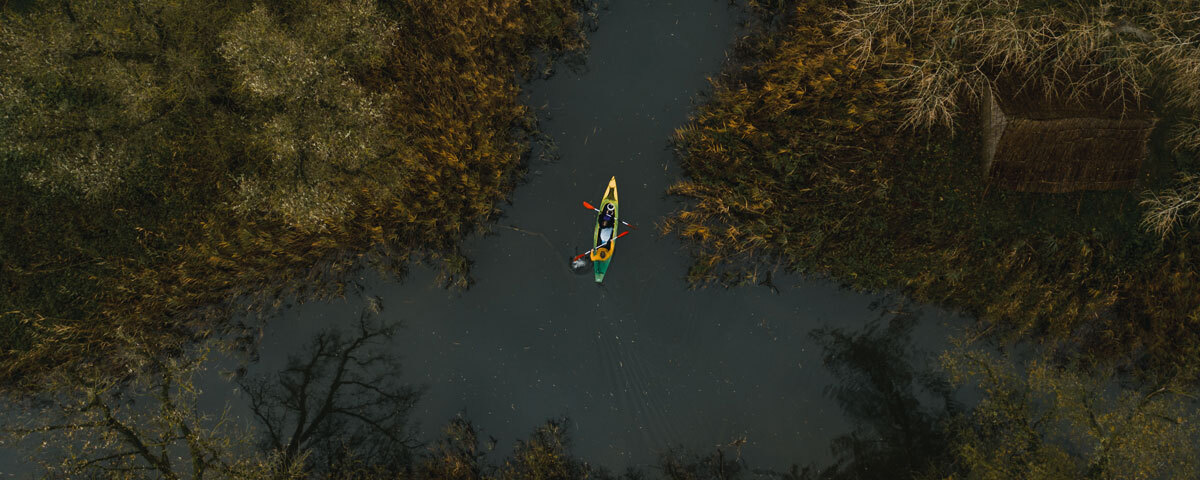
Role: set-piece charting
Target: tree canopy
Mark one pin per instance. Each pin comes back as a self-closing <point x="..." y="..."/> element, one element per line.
<point x="162" y="158"/>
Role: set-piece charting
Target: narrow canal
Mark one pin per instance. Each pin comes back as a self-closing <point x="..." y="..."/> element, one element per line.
<point x="643" y="362"/>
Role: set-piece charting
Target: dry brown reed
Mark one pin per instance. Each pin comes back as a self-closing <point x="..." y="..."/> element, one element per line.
<point x="175" y="268"/>
<point x="1066" y="50"/>
<point x="1132" y="52"/>
<point x="798" y="159"/>
<point x="1167" y="208"/>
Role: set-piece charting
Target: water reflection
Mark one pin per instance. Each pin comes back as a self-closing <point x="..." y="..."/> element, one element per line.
<point x="644" y="364"/>
<point x="337" y="405"/>
<point x="891" y="392"/>
<point x="636" y="377"/>
<point x="338" y="402"/>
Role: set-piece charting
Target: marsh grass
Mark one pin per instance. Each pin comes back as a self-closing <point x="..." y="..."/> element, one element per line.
<point x="803" y="156"/>
<point x="1130" y="54"/>
<point x="170" y="256"/>
<point x="1127" y="50"/>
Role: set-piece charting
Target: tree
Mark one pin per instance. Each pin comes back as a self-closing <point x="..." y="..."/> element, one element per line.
<point x="162" y="158"/>
<point x="338" y="402"/>
<point x="317" y="131"/>
<point x="144" y="426"/>
<point x="143" y="142"/>
<point x="337" y="409"/>
<point x="1037" y="419"/>
<point x="880" y="382"/>
<point x="107" y="100"/>
<point x="544" y="455"/>
<point x="716" y="465"/>
<point x="458" y="455"/>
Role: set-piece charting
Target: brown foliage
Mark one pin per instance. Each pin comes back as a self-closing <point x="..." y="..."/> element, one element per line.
<point x="800" y="159"/>
<point x="172" y="270"/>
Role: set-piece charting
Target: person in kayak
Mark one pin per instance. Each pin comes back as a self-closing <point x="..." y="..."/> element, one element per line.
<point x="608" y="216"/>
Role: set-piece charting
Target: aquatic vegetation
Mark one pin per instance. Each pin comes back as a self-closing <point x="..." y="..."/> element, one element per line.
<point x="337" y="410"/>
<point x="1038" y="420"/>
<point x="98" y="431"/>
<point x="801" y="158"/>
<point x="1133" y="52"/>
<point x="1131" y="49"/>
<point x="163" y="160"/>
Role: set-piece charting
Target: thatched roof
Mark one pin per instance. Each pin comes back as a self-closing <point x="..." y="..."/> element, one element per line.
<point x="1032" y="144"/>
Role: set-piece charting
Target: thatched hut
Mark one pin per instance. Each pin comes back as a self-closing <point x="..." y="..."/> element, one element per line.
<point x="1034" y="144"/>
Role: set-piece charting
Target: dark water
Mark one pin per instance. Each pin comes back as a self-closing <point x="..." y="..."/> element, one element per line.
<point x="643" y="362"/>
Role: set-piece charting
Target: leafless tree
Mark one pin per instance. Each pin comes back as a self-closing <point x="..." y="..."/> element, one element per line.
<point x="341" y="401"/>
<point x="338" y="407"/>
<point x="143" y="426"/>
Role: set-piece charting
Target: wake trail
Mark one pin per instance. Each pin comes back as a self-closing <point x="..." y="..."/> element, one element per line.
<point x="632" y="375"/>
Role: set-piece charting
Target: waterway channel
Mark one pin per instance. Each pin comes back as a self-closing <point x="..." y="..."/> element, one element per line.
<point x="642" y="362"/>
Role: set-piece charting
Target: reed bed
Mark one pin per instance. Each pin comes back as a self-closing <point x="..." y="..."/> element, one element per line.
<point x="319" y="137"/>
<point x="804" y="157"/>
<point x="1133" y="54"/>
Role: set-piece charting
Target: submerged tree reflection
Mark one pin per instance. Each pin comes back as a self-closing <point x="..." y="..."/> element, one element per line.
<point x="900" y="403"/>
<point x="337" y="410"/>
<point x="340" y="401"/>
<point x="897" y="402"/>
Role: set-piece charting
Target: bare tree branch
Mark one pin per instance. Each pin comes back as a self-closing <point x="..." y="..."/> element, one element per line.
<point x="103" y="427"/>
<point x="339" y="397"/>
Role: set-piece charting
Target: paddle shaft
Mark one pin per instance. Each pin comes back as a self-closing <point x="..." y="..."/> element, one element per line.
<point x="588" y="205"/>
<point x="577" y="257"/>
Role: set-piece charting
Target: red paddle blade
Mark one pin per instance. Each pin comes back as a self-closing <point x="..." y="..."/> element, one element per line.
<point x="577" y="257"/>
<point x="589" y="206"/>
<point x="623" y="234"/>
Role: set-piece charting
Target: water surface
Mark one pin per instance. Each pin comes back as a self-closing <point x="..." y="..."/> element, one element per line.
<point x="638" y="364"/>
<point x="642" y="362"/>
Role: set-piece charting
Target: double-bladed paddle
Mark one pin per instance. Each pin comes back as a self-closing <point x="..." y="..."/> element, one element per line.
<point x="588" y="205"/>
<point x="577" y="257"/>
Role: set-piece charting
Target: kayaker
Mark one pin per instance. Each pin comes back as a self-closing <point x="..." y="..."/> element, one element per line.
<point x="607" y="218"/>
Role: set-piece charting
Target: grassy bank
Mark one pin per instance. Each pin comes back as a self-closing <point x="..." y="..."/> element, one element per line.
<point x="161" y="160"/>
<point x="803" y="157"/>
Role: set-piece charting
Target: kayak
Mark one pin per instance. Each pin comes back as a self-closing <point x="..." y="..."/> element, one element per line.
<point x="604" y="240"/>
